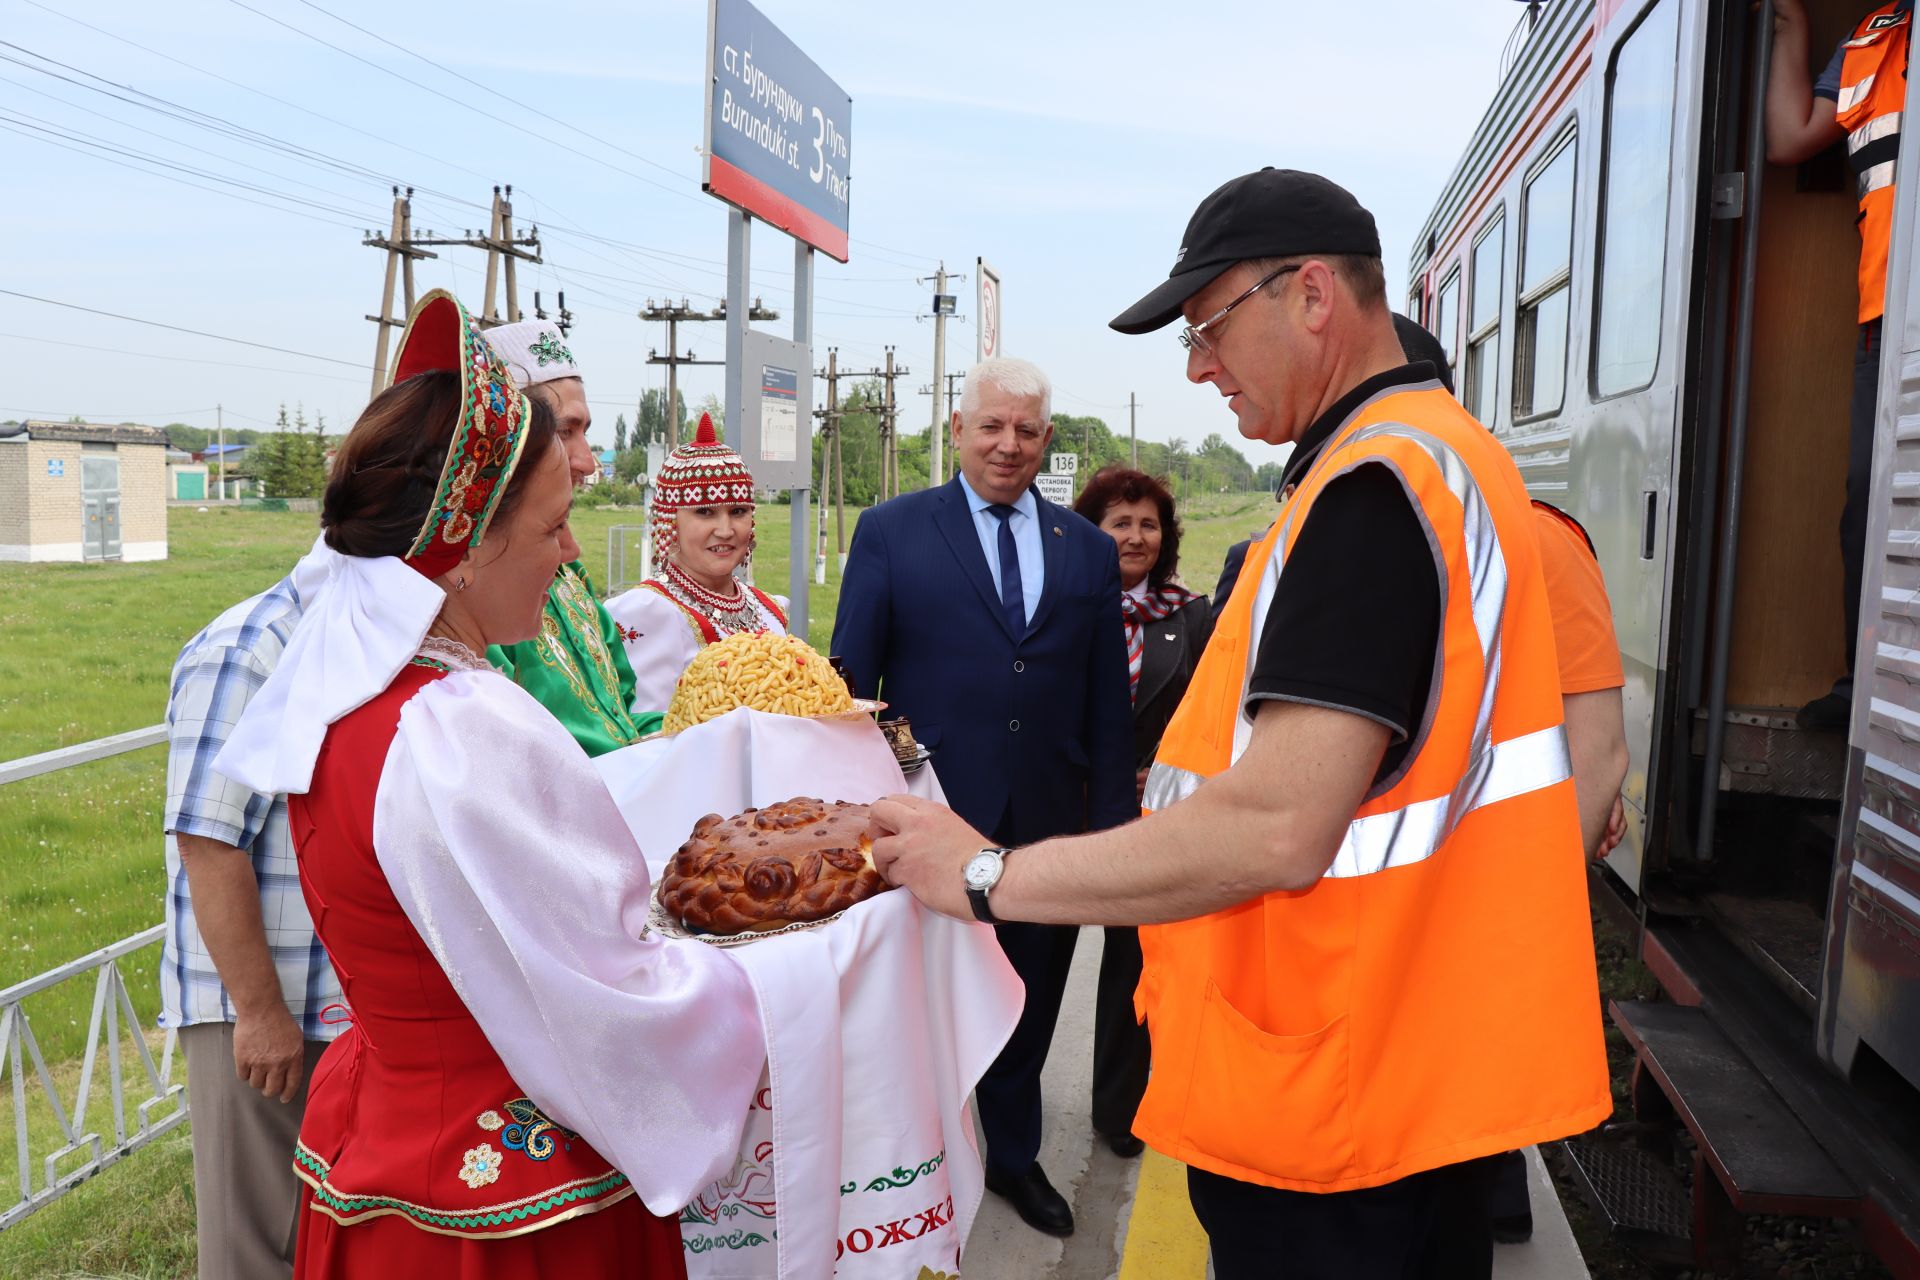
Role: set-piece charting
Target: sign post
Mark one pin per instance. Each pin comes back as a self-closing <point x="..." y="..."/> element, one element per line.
<point x="777" y="147"/>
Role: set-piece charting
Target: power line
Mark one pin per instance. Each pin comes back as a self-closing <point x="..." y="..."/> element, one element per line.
<point x="465" y="106"/>
<point x="62" y="415"/>
<point x="39" y="136"/>
<point x="155" y="355"/>
<point x="181" y="62"/>
<point x="493" y="90"/>
<point x="198" y="333"/>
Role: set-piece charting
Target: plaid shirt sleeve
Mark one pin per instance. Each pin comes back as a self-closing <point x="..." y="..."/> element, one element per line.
<point x="211" y="687"/>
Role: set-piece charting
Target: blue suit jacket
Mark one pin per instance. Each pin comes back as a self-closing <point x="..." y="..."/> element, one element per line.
<point x="1032" y="734"/>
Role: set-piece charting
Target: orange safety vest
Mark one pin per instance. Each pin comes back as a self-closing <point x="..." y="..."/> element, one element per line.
<point x="1873" y="94"/>
<point x="1433" y="997"/>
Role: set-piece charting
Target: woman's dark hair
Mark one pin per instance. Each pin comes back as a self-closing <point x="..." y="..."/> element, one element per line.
<point x="386" y="474"/>
<point x="1113" y="485"/>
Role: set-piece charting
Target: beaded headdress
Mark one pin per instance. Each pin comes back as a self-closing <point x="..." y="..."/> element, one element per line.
<point x="702" y="473"/>
<point x="487" y="439"/>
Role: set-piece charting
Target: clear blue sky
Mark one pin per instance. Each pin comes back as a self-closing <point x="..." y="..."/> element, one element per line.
<point x="1067" y="144"/>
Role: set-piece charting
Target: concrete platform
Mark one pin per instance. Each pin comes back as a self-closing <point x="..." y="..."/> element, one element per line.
<point x="1133" y="1219"/>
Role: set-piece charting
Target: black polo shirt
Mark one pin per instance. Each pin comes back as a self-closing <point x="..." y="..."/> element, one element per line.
<point x="1356" y="622"/>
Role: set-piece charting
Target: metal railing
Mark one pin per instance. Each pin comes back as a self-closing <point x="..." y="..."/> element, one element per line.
<point x="112" y="1025"/>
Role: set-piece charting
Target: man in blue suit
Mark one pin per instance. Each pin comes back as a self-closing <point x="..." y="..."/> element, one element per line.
<point x="991" y="618"/>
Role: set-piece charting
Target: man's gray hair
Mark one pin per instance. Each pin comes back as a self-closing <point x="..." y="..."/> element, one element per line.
<point x="1012" y="376"/>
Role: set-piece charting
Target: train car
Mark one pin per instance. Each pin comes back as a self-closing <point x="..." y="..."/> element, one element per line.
<point x="1661" y="326"/>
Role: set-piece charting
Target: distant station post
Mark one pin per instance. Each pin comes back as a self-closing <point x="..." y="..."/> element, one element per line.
<point x="777" y="148"/>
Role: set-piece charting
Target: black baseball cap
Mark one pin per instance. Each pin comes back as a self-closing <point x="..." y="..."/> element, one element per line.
<point x="1275" y="213"/>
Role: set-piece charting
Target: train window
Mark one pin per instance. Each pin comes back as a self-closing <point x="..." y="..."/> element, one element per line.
<point x="1415" y="299"/>
<point x="1446" y="319"/>
<point x="1631" y="287"/>
<point x="1546" y="277"/>
<point x="1483" y="325"/>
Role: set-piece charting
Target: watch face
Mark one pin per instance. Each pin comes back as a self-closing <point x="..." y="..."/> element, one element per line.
<point x="983" y="870"/>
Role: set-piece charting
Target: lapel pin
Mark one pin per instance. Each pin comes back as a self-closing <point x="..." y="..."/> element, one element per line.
<point x="1057" y="533"/>
<point x="1171" y="636"/>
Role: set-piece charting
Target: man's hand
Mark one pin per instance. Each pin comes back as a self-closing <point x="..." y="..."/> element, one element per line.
<point x="269" y="1052"/>
<point x="1616" y="829"/>
<point x="923" y="847"/>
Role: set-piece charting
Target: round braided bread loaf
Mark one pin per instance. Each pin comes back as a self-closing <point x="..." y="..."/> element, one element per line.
<point x="789" y="863"/>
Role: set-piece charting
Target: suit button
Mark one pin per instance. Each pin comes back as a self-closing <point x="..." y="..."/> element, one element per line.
<point x="1018" y="666"/>
<point x="1013" y="726"/>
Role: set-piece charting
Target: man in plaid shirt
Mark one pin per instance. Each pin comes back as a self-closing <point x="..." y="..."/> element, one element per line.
<point x="242" y="976"/>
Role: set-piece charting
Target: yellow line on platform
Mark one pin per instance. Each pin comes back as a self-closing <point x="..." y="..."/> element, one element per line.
<point x="1164" y="1239"/>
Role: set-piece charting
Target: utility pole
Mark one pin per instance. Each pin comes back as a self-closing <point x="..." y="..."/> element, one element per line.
<point x="220" y="425"/>
<point x="829" y="433"/>
<point x="401" y="249"/>
<point x="674" y="316"/>
<point x="1133" y="430"/>
<point x="565" y="322"/>
<point x="503" y="246"/>
<point x="943" y="424"/>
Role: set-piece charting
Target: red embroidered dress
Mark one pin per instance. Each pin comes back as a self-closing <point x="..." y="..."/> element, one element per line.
<point x="420" y="1155"/>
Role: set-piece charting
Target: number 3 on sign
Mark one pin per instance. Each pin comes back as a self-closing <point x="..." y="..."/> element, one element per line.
<point x="819" y="154"/>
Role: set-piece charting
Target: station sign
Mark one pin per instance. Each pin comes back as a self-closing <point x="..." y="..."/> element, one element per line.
<point x="1055" y="488"/>
<point x="778" y="139"/>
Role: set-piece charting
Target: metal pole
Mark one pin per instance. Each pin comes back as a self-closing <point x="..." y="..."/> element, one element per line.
<point x="797" y="575"/>
<point x="832" y="433"/>
<point x="1736" y="436"/>
<point x="1133" y="430"/>
<point x="934" y="469"/>
<point x="739" y="248"/>
<point x="220" y="425"/>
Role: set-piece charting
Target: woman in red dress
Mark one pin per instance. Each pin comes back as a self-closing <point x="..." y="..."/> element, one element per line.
<point x="482" y="1117"/>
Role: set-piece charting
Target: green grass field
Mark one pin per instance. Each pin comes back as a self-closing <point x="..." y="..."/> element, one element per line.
<point x="87" y="653"/>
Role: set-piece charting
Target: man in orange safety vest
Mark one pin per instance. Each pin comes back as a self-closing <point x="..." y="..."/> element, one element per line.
<point x="1369" y="961"/>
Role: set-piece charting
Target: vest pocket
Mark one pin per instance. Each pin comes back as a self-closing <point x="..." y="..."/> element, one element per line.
<point x="1269" y="1103"/>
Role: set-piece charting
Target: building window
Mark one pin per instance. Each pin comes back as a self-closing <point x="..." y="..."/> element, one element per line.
<point x="1631" y="285"/>
<point x="1483" y="322"/>
<point x="1546" y="277"/>
<point x="1416" y="305"/>
<point x="1446" y="320"/>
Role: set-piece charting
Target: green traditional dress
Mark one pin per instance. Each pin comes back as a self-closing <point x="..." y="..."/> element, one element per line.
<point x="577" y="667"/>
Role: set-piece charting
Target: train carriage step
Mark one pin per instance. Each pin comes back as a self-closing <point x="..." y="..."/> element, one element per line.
<point x="1637" y="1195"/>
<point x="1762" y="1156"/>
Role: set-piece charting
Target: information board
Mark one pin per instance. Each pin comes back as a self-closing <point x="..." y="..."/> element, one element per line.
<point x="776" y="413"/>
<point x="778" y="129"/>
<point x="1055" y="488"/>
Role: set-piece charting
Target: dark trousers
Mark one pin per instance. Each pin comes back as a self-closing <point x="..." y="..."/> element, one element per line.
<point x="1431" y="1226"/>
<point x="1009" y="1093"/>
<point x="1853" y="518"/>
<point x="1121" y="1050"/>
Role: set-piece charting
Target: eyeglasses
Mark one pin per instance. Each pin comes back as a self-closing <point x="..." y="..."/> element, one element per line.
<point x="1194" y="336"/>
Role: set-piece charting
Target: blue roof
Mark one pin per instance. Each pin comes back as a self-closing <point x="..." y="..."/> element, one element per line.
<point x="225" y="448"/>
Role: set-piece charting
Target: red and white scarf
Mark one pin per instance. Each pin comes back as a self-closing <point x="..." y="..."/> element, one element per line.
<point x="1136" y="612"/>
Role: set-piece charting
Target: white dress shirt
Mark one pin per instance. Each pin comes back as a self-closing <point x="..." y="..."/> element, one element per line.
<point x="1026" y="542"/>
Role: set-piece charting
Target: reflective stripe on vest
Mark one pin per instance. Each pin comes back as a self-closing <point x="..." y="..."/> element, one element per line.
<point x="1496" y="771"/>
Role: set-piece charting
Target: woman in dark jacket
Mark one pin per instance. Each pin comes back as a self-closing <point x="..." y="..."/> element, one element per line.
<point x="1167" y="628"/>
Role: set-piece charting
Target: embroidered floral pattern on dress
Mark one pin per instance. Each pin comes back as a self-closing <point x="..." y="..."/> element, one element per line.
<point x="481" y="1166"/>
<point x="532" y="1133"/>
<point x="489" y="1120"/>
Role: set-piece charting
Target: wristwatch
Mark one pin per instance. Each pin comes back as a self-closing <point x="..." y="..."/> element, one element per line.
<point x="982" y="872"/>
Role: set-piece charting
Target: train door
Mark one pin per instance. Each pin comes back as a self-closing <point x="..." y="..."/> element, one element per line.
<point x="1871" y="985"/>
<point x="1627" y="355"/>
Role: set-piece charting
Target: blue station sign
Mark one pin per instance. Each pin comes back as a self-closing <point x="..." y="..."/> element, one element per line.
<point x="778" y="129"/>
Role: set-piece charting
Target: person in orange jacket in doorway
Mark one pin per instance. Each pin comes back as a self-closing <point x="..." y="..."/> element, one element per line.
<point x="1369" y="961"/>
<point x="1859" y="97"/>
